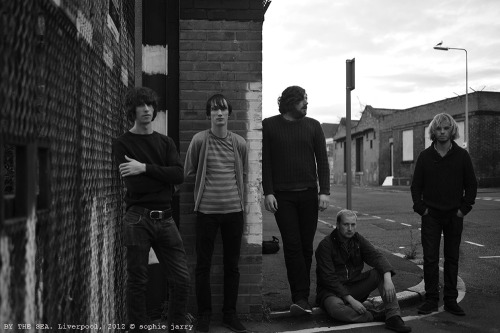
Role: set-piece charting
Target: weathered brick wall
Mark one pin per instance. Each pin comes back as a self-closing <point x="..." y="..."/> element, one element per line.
<point x="384" y="159"/>
<point x="485" y="147"/>
<point x="65" y="68"/>
<point x="484" y="137"/>
<point x="368" y="127"/>
<point x="221" y="52"/>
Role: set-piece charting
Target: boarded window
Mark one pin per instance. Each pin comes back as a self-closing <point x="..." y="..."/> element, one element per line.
<point x="408" y="145"/>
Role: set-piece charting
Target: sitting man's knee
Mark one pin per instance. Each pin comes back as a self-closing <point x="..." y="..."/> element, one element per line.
<point x="338" y="310"/>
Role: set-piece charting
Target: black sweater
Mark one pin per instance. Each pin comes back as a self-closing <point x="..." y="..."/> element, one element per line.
<point x="294" y="155"/>
<point x="152" y="189"/>
<point x="443" y="184"/>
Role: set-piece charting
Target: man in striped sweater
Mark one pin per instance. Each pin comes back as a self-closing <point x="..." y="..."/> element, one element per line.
<point x="217" y="159"/>
<point x="294" y="163"/>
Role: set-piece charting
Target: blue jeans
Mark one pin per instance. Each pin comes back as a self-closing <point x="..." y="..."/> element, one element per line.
<point x="451" y="226"/>
<point x="231" y="227"/>
<point x="140" y="233"/>
<point x="360" y="290"/>
<point x="297" y="219"/>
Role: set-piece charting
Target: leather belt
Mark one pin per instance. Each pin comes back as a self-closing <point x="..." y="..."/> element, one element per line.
<point x="152" y="214"/>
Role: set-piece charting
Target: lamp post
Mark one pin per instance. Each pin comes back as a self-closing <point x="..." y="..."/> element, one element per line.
<point x="466" y="129"/>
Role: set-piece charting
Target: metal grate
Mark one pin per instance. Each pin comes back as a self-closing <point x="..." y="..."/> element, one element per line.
<point x="64" y="72"/>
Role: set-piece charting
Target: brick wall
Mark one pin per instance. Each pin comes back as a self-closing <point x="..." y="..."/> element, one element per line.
<point x="484" y="137"/>
<point x="220" y="51"/>
<point x="366" y="128"/>
<point x="339" y="176"/>
<point x="485" y="153"/>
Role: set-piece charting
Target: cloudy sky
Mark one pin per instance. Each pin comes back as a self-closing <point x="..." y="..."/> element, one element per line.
<point x="307" y="43"/>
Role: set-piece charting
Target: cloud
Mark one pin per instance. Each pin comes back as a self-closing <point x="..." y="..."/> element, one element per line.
<point x="308" y="42"/>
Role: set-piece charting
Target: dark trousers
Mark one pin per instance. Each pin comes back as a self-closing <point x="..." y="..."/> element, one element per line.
<point x="297" y="219"/>
<point x="231" y="227"/>
<point x="432" y="227"/>
<point x="140" y="233"/>
<point x="360" y="290"/>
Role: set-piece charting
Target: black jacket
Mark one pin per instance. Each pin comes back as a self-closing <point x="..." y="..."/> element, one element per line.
<point x="335" y="266"/>
<point x="443" y="184"/>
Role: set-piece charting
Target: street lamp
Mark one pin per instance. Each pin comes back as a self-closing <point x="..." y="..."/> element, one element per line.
<point x="466" y="129"/>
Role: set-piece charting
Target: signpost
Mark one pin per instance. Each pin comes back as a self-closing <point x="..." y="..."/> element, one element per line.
<point x="349" y="86"/>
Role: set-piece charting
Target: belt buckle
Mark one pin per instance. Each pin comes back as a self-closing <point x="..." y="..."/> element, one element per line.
<point x="156" y="214"/>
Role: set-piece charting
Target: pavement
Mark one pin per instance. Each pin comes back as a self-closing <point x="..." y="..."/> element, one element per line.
<point x="408" y="282"/>
<point x="276" y="316"/>
<point x="276" y="292"/>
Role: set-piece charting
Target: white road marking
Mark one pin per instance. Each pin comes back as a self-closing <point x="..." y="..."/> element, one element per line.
<point x="324" y="222"/>
<point x="367" y="218"/>
<point x="489" y="257"/>
<point x="406" y="224"/>
<point x="390" y="220"/>
<point x="336" y="328"/>
<point x="376" y="217"/>
<point x="474" y="243"/>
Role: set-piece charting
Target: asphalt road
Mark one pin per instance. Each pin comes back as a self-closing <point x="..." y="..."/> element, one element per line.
<point x="387" y="218"/>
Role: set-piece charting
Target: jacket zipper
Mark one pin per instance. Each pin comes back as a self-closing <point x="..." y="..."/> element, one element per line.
<point x="347" y="271"/>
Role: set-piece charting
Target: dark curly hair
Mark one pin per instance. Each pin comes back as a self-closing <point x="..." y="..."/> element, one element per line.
<point x="290" y="97"/>
<point x="218" y="100"/>
<point x="139" y="96"/>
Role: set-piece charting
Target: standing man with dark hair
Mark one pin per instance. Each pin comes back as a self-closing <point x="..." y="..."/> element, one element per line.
<point x="443" y="190"/>
<point x="294" y="161"/>
<point x="217" y="159"/>
<point x="149" y="165"/>
<point x="343" y="286"/>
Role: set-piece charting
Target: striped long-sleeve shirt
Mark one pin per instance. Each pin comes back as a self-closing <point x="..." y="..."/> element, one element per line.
<point x="220" y="195"/>
<point x="195" y="165"/>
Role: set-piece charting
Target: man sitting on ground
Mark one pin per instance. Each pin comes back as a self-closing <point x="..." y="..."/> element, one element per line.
<point x="342" y="287"/>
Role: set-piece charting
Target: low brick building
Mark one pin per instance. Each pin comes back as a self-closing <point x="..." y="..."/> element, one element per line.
<point x="365" y="148"/>
<point x="386" y="143"/>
